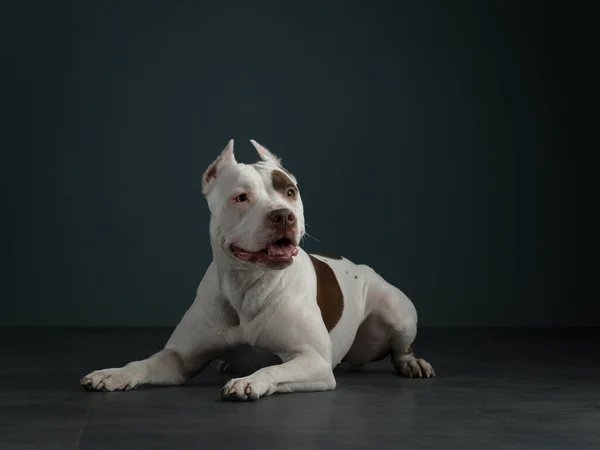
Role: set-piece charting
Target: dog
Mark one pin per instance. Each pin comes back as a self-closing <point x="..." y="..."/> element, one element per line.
<point x="263" y="291"/>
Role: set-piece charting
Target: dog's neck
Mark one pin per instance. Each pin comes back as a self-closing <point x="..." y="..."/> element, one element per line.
<point x="249" y="290"/>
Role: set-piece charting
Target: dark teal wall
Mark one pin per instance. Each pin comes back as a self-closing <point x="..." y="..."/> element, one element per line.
<point x="429" y="139"/>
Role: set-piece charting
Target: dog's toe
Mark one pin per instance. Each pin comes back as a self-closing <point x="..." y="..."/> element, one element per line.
<point x="415" y="368"/>
<point x="240" y="389"/>
<point x="107" y="380"/>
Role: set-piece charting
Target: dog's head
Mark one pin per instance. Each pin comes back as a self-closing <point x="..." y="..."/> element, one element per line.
<point x="257" y="216"/>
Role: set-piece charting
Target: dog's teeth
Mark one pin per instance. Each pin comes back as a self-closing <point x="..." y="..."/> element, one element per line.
<point x="269" y="252"/>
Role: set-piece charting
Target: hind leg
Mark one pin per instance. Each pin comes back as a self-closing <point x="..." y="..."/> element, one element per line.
<point x="403" y="357"/>
<point x="399" y="317"/>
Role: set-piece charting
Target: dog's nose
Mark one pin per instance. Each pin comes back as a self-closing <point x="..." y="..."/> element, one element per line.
<point x="282" y="216"/>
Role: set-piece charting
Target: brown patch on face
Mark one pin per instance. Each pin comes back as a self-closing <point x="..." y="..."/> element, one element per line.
<point x="287" y="173"/>
<point x="329" y="295"/>
<point x="284" y="184"/>
<point x="325" y="255"/>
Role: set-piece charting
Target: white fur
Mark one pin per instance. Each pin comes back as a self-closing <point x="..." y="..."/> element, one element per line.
<point x="238" y="303"/>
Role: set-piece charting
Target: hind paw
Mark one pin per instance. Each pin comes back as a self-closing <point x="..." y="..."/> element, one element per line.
<point x="415" y="368"/>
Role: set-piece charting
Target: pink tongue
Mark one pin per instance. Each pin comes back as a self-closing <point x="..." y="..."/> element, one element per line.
<point x="286" y="250"/>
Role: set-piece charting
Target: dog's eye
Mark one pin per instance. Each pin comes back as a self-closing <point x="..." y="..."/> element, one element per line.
<point x="291" y="192"/>
<point x="241" y="198"/>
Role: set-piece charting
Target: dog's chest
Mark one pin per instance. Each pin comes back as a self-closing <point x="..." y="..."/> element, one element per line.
<point x="333" y="285"/>
<point x="249" y="295"/>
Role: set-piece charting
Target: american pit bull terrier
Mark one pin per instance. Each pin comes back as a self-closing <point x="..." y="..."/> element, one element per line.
<point x="264" y="292"/>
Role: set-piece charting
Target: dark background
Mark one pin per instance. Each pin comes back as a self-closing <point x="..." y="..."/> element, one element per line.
<point x="442" y="143"/>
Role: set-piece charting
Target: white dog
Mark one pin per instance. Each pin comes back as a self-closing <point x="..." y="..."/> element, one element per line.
<point x="263" y="291"/>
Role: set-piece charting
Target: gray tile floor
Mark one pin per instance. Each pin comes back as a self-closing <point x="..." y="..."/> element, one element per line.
<point x="496" y="389"/>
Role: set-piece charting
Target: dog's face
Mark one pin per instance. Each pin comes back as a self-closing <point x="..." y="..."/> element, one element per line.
<point x="257" y="216"/>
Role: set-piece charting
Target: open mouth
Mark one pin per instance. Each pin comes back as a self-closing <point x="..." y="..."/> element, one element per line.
<point x="282" y="250"/>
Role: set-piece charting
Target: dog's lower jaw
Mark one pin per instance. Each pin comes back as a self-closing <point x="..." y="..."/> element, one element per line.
<point x="225" y="259"/>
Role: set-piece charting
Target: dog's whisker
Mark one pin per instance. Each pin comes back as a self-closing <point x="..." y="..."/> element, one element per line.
<point x="310" y="236"/>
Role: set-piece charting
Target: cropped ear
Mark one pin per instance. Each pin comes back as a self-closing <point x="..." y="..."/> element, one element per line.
<point x="265" y="154"/>
<point x="225" y="158"/>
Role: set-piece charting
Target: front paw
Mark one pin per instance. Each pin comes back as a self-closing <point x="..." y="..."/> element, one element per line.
<point x="244" y="389"/>
<point x="108" y="380"/>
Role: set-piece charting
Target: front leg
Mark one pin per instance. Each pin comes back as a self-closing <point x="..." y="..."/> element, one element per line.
<point x="207" y="327"/>
<point x="165" y="368"/>
<point x="294" y="331"/>
<point x="300" y="371"/>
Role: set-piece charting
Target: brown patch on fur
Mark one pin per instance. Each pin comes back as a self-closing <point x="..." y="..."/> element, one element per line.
<point x="325" y="255"/>
<point x="283" y="183"/>
<point x="287" y="173"/>
<point x="329" y="294"/>
<point x="410" y="351"/>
